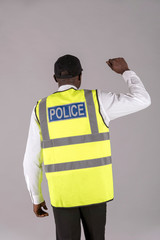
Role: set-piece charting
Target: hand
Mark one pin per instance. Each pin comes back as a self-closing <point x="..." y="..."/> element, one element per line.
<point x="37" y="209"/>
<point x="118" y="65"/>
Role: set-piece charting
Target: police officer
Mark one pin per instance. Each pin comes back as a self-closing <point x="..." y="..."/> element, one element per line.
<point x="69" y="134"/>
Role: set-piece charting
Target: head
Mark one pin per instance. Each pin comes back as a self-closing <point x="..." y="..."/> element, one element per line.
<point x="68" y="70"/>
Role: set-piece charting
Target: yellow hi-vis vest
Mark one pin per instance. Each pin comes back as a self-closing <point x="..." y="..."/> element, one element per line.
<point x="76" y="149"/>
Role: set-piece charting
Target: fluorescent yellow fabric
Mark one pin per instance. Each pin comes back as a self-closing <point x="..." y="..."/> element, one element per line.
<point x="77" y="187"/>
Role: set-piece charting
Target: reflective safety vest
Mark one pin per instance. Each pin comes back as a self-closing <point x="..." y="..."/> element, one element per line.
<point x="75" y="147"/>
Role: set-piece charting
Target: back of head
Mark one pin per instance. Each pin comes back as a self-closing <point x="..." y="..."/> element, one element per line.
<point x="67" y="66"/>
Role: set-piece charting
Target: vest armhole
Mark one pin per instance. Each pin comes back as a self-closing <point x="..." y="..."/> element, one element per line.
<point x="99" y="109"/>
<point x="36" y="113"/>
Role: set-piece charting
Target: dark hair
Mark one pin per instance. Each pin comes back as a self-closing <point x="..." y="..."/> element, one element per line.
<point x="67" y="66"/>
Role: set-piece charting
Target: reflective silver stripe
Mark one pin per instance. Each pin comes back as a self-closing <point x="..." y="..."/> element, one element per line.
<point x="78" y="164"/>
<point x="75" y="140"/>
<point x="43" y="119"/>
<point x="91" y="111"/>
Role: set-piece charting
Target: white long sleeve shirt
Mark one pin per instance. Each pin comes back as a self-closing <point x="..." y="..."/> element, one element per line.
<point x="112" y="106"/>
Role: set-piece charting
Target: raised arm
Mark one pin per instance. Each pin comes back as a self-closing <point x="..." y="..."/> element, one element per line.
<point x="114" y="105"/>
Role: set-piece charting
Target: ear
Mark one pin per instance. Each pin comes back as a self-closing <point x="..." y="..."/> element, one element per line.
<point x="55" y="78"/>
<point x="79" y="76"/>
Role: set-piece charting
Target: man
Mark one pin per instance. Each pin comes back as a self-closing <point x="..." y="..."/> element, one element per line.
<point x="69" y="133"/>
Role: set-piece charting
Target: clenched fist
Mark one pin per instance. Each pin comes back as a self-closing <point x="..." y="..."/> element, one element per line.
<point x="37" y="209"/>
<point x="118" y="65"/>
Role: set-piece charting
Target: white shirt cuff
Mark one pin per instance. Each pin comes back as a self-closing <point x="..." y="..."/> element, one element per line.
<point x="127" y="74"/>
<point x="37" y="199"/>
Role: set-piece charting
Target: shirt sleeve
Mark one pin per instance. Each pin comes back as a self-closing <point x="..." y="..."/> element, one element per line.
<point x="114" y="105"/>
<point x="32" y="163"/>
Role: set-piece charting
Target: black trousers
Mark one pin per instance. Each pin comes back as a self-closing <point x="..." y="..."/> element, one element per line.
<point x="93" y="217"/>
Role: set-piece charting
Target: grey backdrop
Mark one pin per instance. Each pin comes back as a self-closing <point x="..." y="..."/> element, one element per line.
<point x="33" y="34"/>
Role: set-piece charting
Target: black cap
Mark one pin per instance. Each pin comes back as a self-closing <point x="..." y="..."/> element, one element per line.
<point x="68" y="64"/>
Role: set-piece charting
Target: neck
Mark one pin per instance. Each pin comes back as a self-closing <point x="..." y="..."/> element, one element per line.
<point x="59" y="85"/>
<point x="74" y="83"/>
